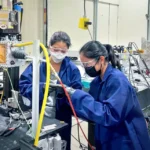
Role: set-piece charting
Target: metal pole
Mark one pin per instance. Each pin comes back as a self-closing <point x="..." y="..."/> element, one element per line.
<point x="106" y="3"/>
<point x="148" y="21"/>
<point x="108" y="24"/>
<point x="45" y="27"/>
<point x="95" y="19"/>
<point x="117" y="25"/>
<point x="35" y="86"/>
<point x="91" y="126"/>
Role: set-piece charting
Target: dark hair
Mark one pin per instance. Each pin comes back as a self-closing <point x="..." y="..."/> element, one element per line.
<point x="60" y="36"/>
<point x="95" y="49"/>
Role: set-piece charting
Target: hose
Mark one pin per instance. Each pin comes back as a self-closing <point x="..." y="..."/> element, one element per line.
<point x="48" y="66"/>
<point x="46" y="89"/>
<point x="45" y="95"/>
<point x="71" y="105"/>
<point x="22" y="44"/>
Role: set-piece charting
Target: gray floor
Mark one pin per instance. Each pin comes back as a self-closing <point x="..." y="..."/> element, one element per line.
<point x="74" y="143"/>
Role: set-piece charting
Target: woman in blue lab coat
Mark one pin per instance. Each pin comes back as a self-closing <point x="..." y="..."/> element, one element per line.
<point x="68" y="72"/>
<point x="111" y="103"/>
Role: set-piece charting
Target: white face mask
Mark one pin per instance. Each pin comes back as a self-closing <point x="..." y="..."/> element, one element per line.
<point x="58" y="57"/>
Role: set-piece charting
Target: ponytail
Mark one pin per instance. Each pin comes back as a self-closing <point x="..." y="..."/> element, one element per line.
<point x="112" y="57"/>
<point x="94" y="49"/>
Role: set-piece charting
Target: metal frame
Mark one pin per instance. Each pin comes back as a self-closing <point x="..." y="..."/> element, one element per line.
<point x="95" y="15"/>
<point x="14" y="75"/>
<point x="95" y="19"/>
<point x="45" y="33"/>
<point x="35" y="86"/>
<point x="95" y="27"/>
<point x="148" y="21"/>
<point x="105" y="3"/>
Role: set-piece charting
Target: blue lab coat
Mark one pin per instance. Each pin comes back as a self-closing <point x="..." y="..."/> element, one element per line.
<point x="112" y="104"/>
<point x="70" y="76"/>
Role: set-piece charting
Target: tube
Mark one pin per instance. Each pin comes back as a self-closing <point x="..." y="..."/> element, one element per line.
<point x="22" y="44"/>
<point x="45" y="95"/>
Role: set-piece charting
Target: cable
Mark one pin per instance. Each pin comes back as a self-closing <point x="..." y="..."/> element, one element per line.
<point x="1" y="97"/>
<point x="78" y="141"/>
<point x="84" y="8"/>
<point x="85" y="17"/>
<point x="78" y="133"/>
<point x="90" y="34"/>
<point x="45" y="95"/>
<point x="79" y="136"/>
<point x="77" y="124"/>
<point x="18" y="102"/>
<point x="46" y="89"/>
<point x="22" y="44"/>
<point x="71" y="105"/>
<point x="81" y="145"/>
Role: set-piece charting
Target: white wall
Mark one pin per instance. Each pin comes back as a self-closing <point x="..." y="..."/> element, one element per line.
<point x="123" y="24"/>
<point x="110" y="1"/>
<point x="64" y="15"/>
<point x="132" y="21"/>
<point x="107" y="24"/>
<point x="32" y="25"/>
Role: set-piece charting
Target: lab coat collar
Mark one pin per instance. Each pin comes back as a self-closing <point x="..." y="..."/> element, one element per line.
<point x="107" y="73"/>
<point x="64" y="65"/>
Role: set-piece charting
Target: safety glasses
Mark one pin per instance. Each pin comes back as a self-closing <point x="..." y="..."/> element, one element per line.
<point x="53" y="49"/>
<point x="89" y="63"/>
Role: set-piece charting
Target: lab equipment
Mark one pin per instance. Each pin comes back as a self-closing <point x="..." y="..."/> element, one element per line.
<point x="8" y="53"/>
<point x="57" y="142"/>
<point x="12" y="54"/>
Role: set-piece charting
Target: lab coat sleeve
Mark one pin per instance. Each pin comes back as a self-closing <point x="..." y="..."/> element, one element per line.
<point x="110" y="111"/>
<point x="25" y="84"/>
<point x="75" y="83"/>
